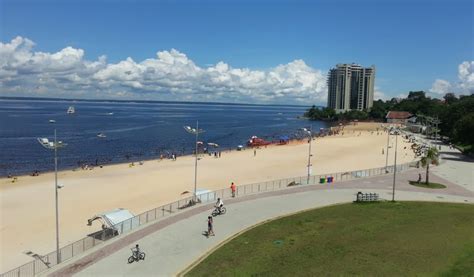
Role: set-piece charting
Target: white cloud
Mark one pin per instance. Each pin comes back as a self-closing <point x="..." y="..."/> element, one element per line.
<point x="169" y="75"/>
<point x="440" y="87"/>
<point x="464" y="84"/>
<point x="466" y="76"/>
<point x="379" y="95"/>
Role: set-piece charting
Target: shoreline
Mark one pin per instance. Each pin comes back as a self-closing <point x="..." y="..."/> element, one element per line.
<point x="153" y="158"/>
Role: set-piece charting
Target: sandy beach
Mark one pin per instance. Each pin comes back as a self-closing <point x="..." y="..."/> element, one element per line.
<point x="27" y="206"/>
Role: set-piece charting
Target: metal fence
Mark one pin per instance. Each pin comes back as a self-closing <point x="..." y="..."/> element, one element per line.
<point x="76" y="248"/>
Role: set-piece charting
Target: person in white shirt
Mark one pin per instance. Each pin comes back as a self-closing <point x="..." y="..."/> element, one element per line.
<point x="219" y="204"/>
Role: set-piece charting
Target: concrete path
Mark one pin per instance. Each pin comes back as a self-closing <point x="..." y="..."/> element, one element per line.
<point x="456" y="168"/>
<point x="174" y="243"/>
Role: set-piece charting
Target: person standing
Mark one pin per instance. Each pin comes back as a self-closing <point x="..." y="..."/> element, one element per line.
<point x="210" y="227"/>
<point x="232" y="188"/>
<point x="254" y="152"/>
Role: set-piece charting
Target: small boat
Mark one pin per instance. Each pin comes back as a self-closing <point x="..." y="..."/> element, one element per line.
<point x="101" y="135"/>
<point x="110" y="113"/>
<point x="255" y="141"/>
<point x="52" y="121"/>
<point x="71" y="110"/>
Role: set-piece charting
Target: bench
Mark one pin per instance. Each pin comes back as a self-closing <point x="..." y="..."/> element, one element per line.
<point x="367" y="197"/>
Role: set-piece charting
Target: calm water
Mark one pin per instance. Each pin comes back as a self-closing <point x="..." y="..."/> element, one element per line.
<point x="138" y="131"/>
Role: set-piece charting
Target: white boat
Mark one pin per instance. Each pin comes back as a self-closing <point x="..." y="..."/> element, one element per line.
<point x="101" y="135"/>
<point x="110" y="113"/>
<point x="52" y="121"/>
<point x="71" y="110"/>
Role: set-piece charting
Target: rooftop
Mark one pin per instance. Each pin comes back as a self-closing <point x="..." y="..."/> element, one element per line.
<point x="398" y="115"/>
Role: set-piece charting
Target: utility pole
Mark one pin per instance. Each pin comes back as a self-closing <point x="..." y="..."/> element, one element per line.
<point x="58" y="253"/>
<point x="395" y="166"/>
<point x="386" y="158"/>
<point x="54" y="146"/>
<point x="196" y="162"/>
<point x="309" y="153"/>
<point x="196" y="133"/>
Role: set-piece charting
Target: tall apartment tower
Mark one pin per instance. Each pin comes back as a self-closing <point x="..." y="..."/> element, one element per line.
<point x="351" y="87"/>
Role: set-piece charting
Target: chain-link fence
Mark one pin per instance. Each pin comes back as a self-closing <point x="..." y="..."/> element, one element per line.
<point x="76" y="248"/>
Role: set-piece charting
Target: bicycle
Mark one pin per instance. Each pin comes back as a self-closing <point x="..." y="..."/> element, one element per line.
<point x="216" y="211"/>
<point x="136" y="257"/>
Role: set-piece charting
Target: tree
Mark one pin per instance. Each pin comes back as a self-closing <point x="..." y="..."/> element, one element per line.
<point x="463" y="130"/>
<point x="450" y="98"/>
<point x="378" y="110"/>
<point x="431" y="157"/>
<point x="414" y="95"/>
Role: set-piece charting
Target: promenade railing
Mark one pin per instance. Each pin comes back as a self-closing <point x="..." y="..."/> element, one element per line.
<point x="79" y="247"/>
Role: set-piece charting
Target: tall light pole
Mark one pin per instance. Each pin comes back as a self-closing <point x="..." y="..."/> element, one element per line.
<point x="386" y="158"/>
<point x="195" y="132"/>
<point x="395" y="166"/>
<point x="54" y="146"/>
<point x="309" y="132"/>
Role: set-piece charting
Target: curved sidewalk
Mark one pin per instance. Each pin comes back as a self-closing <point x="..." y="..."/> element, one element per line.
<point x="174" y="243"/>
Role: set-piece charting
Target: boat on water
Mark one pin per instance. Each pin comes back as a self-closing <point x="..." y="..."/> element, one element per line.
<point x="71" y="110"/>
<point x="110" y="113"/>
<point x="256" y="141"/>
<point x="52" y="121"/>
<point x="101" y="135"/>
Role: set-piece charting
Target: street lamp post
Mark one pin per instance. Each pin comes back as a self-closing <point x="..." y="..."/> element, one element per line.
<point x="195" y="132"/>
<point x="309" y="132"/>
<point x="54" y="146"/>
<point x="386" y="158"/>
<point x="395" y="166"/>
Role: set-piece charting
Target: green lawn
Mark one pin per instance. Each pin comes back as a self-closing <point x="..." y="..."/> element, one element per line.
<point x="428" y="186"/>
<point x="381" y="239"/>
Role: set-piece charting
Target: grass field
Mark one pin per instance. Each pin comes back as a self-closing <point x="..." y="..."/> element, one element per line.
<point x="428" y="186"/>
<point x="376" y="239"/>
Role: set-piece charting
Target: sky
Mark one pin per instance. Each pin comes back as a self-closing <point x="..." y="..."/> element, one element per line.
<point x="232" y="51"/>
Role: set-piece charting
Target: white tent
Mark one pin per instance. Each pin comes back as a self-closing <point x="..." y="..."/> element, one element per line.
<point x="112" y="218"/>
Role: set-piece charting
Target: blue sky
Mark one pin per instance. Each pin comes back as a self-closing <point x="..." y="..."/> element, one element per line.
<point x="412" y="44"/>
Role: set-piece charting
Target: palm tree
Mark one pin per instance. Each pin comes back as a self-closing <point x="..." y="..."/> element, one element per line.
<point x="431" y="157"/>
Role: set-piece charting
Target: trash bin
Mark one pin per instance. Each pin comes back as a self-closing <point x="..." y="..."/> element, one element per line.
<point x="322" y="180"/>
<point x="330" y="179"/>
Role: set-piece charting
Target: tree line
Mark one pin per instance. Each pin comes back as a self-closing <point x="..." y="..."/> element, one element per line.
<point x="455" y="113"/>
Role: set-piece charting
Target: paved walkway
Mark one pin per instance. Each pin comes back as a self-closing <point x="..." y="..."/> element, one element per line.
<point x="174" y="243"/>
<point x="456" y="168"/>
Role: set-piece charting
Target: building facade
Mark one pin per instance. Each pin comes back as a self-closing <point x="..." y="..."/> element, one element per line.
<point x="351" y="87"/>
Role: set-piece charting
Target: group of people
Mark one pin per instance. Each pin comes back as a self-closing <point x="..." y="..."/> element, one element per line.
<point x="219" y="204"/>
<point x="210" y="221"/>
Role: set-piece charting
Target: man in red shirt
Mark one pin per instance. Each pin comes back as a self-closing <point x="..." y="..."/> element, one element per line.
<point x="232" y="188"/>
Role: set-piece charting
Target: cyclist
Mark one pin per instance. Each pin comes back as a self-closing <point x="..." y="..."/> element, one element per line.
<point x="219" y="204"/>
<point x="136" y="251"/>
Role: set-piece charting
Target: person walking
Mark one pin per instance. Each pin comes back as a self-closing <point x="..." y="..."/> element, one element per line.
<point x="255" y="152"/>
<point x="210" y="227"/>
<point x="232" y="188"/>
